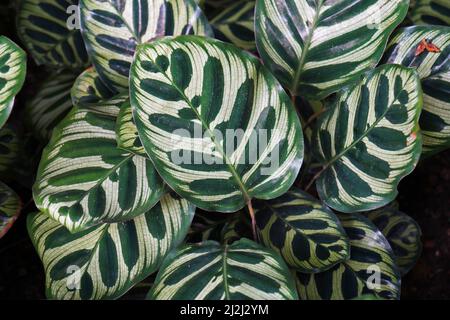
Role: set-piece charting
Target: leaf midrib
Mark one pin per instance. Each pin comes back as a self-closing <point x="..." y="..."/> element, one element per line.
<point x="358" y="140"/>
<point x="307" y="44"/>
<point x="98" y="183"/>
<point x="224" y="272"/>
<point x="210" y="134"/>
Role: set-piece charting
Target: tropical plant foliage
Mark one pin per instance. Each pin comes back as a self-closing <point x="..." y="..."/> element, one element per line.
<point x="184" y="139"/>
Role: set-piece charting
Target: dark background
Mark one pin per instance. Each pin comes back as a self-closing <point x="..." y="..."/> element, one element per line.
<point x="424" y="195"/>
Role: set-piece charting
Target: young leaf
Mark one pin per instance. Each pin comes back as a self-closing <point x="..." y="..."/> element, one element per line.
<point x="192" y="97"/>
<point x="12" y="75"/>
<point x="434" y="71"/>
<point x="236" y="24"/>
<point x="434" y="12"/>
<point x="369" y="139"/>
<point x="50" y="105"/>
<point x="89" y="89"/>
<point x="369" y="270"/>
<point x="126" y="131"/>
<point x="304" y="232"/>
<point x="10" y="206"/>
<point x="209" y="271"/>
<point x="113" y="29"/>
<point x="84" y="179"/>
<point x="403" y="234"/>
<point x="50" y="32"/>
<point x="104" y="262"/>
<point x="317" y="47"/>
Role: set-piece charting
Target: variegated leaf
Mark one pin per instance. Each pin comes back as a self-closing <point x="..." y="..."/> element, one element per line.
<point x="304" y="232"/>
<point x="191" y="98"/>
<point x="10" y="206"/>
<point x="369" y="270"/>
<point x="12" y="75"/>
<point x="317" y="47"/>
<point x="126" y="131"/>
<point x="50" y="105"/>
<point x="112" y="30"/>
<point x="434" y="71"/>
<point x="49" y="30"/>
<point x="209" y="271"/>
<point x="104" y="262"/>
<point x="434" y="12"/>
<point x="403" y="234"/>
<point x="84" y="179"/>
<point x="236" y="24"/>
<point x="369" y="139"/>
<point x="89" y="89"/>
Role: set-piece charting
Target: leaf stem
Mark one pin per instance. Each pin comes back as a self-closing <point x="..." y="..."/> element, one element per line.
<point x="252" y="217"/>
<point x="317" y="175"/>
<point x="313" y="118"/>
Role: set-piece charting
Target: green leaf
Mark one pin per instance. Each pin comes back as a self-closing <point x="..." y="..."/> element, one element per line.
<point x="113" y="29"/>
<point x="89" y="89"/>
<point x="371" y="259"/>
<point x="434" y="71"/>
<point x="304" y="232"/>
<point x="403" y="234"/>
<point x="434" y="12"/>
<point x="236" y="24"/>
<point x="50" y="105"/>
<point x="9" y="150"/>
<point x="126" y="131"/>
<point x="10" y="206"/>
<point x="48" y="30"/>
<point x="209" y="271"/>
<point x="104" y="262"/>
<point x="13" y="65"/>
<point x="317" y="47"/>
<point x="369" y="139"/>
<point x="84" y="179"/>
<point x="191" y="96"/>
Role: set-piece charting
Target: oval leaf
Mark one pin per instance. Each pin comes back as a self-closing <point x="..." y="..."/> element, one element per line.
<point x="403" y="234"/>
<point x="316" y="47"/>
<point x="84" y="179"/>
<point x="113" y="29"/>
<point x="304" y="232"/>
<point x="434" y="71"/>
<point x="12" y="75"/>
<point x="104" y="262"/>
<point x="10" y="206"/>
<point x="50" y="105"/>
<point x="209" y="271"/>
<point x="236" y="24"/>
<point x="89" y="89"/>
<point x="126" y="131"/>
<point x="371" y="259"/>
<point x="49" y="30"/>
<point x="369" y="139"/>
<point x="191" y="98"/>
